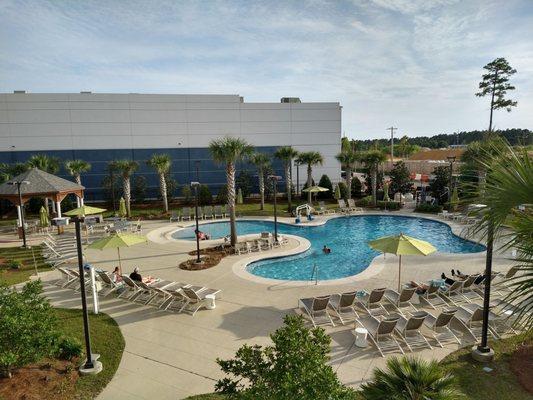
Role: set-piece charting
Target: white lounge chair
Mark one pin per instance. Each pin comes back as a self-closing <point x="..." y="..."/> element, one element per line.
<point x="194" y="300"/>
<point x="440" y="326"/>
<point x="381" y="333"/>
<point x="409" y="330"/>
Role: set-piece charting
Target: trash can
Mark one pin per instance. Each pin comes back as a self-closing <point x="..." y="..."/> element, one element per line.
<point x="210" y="302"/>
<point x="360" y="337"/>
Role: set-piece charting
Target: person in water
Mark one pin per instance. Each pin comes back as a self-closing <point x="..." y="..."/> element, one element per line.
<point x="326" y="250"/>
<point x="202" y="235"/>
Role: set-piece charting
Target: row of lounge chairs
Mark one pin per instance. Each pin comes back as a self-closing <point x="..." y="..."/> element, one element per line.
<point x="165" y="295"/>
<point x="206" y="212"/>
<point x="463" y="218"/>
<point x="348" y="209"/>
<point x="390" y="317"/>
<point x="263" y="243"/>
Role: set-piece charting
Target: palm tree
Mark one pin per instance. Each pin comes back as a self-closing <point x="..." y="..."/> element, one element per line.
<point x="44" y="163"/>
<point x="286" y="154"/>
<point x="310" y="158"/>
<point x="161" y="163"/>
<point x="228" y="151"/>
<point x="76" y="168"/>
<point x="409" y="378"/>
<point x="373" y="159"/>
<point x="508" y="216"/>
<point x="126" y="169"/>
<point x="348" y="157"/>
<point x="261" y="162"/>
<point x="8" y="171"/>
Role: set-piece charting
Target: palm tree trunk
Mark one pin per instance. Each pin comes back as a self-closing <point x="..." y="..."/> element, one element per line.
<point x="127" y="194"/>
<point x="163" y="188"/>
<point x="262" y="188"/>
<point x="77" y="178"/>
<point x="230" y="177"/>
<point x="349" y="181"/>
<point x="374" y="185"/>
<point x="309" y="181"/>
<point x="288" y="185"/>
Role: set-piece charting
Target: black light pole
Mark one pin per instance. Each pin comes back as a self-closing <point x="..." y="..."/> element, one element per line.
<point x="18" y="184"/>
<point x="451" y="159"/>
<point x="195" y="185"/>
<point x="275" y="180"/>
<point x="89" y="366"/>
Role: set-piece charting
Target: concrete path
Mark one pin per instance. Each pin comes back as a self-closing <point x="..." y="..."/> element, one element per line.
<point x="172" y="356"/>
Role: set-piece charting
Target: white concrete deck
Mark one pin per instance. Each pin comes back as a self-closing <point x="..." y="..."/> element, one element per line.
<point x="169" y="355"/>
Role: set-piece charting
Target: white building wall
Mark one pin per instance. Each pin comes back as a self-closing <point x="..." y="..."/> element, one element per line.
<point x="39" y="122"/>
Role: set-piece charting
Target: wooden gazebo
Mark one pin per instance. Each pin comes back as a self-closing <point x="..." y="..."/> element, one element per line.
<point x="40" y="184"/>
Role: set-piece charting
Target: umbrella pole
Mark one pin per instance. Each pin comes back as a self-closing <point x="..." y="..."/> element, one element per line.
<point x="399" y="272"/>
<point x="119" y="261"/>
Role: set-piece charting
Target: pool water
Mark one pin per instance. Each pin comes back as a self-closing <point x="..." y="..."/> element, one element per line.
<point x="347" y="237"/>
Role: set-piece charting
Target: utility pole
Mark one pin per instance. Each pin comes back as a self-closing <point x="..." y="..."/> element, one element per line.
<point x="391" y="129"/>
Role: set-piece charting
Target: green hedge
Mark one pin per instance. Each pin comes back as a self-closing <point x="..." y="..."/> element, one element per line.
<point x="428" y="208"/>
<point x="389" y="205"/>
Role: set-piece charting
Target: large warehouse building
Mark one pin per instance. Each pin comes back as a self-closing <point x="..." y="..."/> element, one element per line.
<point x="99" y="128"/>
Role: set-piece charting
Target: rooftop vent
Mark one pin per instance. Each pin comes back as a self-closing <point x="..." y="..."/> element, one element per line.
<point x="85" y="92"/>
<point x="19" y="91"/>
<point x="290" y="100"/>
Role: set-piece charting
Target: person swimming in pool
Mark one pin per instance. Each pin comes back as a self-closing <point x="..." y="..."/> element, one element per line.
<point x="326" y="250"/>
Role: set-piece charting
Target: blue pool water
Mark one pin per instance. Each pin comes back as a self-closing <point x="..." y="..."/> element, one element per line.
<point x="348" y="239"/>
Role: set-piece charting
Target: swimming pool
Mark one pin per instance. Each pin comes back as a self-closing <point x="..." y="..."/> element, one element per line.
<point x="348" y="239"/>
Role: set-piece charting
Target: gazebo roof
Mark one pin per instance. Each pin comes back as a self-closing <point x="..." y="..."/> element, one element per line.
<point x="41" y="184"/>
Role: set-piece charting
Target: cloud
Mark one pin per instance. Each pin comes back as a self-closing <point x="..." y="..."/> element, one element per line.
<point x="414" y="64"/>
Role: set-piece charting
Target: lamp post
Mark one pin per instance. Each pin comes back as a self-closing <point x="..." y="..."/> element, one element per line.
<point x="451" y="159"/>
<point x="195" y="185"/>
<point x="275" y="179"/>
<point x="21" y="208"/>
<point x="92" y="365"/>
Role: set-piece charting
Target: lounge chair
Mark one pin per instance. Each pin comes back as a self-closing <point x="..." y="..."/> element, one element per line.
<point x="315" y="307"/>
<point x="178" y="298"/>
<point x="132" y="289"/>
<point x="452" y="293"/>
<point x="194" y="300"/>
<point x="186" y="213"/>
<point x="400" y="300"/>
<point x="468" y="290"/>
<point x="342" y="206"/>
<point x="381" y="333"/>
<point x="322" y="209"/>
<point x="409" y="330"/>
<point x="218" y="212"/>
<point x="174" y="216"/>
<point x="111" y="286"/>
<point x="471" y="315"/>
<point x="373" y="303"/>
<point x="208" y="212"/>
<point x="224" y="213"/>
<point x="352" y="206"/>
<point x="431" y="297"/>
<point x="440" y="326"/>
<point x="68" y="277"/>
<point x="162" y="293"/>
<point x="344" y="306"/>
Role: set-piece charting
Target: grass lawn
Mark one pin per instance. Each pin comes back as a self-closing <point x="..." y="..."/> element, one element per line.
<point x="11" y="276"/>
<point x="106" y="340"/>
<point x="501" y="383"/>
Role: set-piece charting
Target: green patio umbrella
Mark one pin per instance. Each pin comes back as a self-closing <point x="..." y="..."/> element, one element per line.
<point x="84" y="210"/>
<point x="386" y="191"/>
<point x="239" y="197"/>
<point x="402" y="245"/>
<point x="315" y="189"/>
<point x="337" y="192"/>
<point x="122" y="207"/>
<point x="117" y="241"/>
<point x="43" y="217"/>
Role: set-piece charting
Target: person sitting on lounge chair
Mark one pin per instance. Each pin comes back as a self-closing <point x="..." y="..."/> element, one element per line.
<point x="448" y="281"/>
<point x="135" y="275"/>
<point x="326" y="250"/>
<point x="421" y="288"/>
<point x="461" y="276"/>
<point x="116" y="275"/>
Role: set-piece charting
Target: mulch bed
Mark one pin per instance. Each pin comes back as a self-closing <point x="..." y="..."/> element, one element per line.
<point x="46" y="380"/>
<point x="210" y="257"/>
<point x="522" y="365"/>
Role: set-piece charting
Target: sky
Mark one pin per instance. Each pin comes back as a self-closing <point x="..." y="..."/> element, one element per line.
<point x="412" y="64"/>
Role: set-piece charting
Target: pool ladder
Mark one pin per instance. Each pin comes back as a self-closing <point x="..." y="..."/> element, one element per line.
<point x="315" y="273"/>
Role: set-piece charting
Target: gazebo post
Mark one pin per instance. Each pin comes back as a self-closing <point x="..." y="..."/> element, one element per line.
<point x="19" y="215"/>
<point x="53" y="206"/>
<point x="58" y="209"/>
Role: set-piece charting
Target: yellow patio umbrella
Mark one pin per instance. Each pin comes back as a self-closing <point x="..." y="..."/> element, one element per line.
<point x="84" y="210"/>
<point x="315" y="189"/>
<point x="122" y="207"/>
<point x="117" y="241"/>
<point x="43" y="217"/>
<point x="402" y="245"/>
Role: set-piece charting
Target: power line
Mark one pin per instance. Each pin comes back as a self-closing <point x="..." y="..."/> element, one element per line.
<point x="392" y="129"/>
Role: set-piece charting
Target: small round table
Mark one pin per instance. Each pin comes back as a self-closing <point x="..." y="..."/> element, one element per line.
<point x="210" y="302"/>
<point x="360" y="337"/>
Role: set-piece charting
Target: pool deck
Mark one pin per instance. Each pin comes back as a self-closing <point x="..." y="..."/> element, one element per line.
<point x="171" y="356"/>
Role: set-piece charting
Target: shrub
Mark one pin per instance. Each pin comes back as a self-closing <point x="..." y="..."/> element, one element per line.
<point x="325" y="182"/>
<point x="295" y="366"/>
<point x="204" y="196"/>
<point x="186" y="193"/>
<point x="28" y="327"/>
<point x="138" y="189"/>
<point x="245" y="182"/>
<point x="222" y="195"/>
<point x="389" y="205"/>
<point x="12" y="264"/>
<point x="365" y="201"/>
<point x="428" y="208"/>
<point x="356" y="188"/>
<point x="68" y="348"/>
<point x="343" y="190"/>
